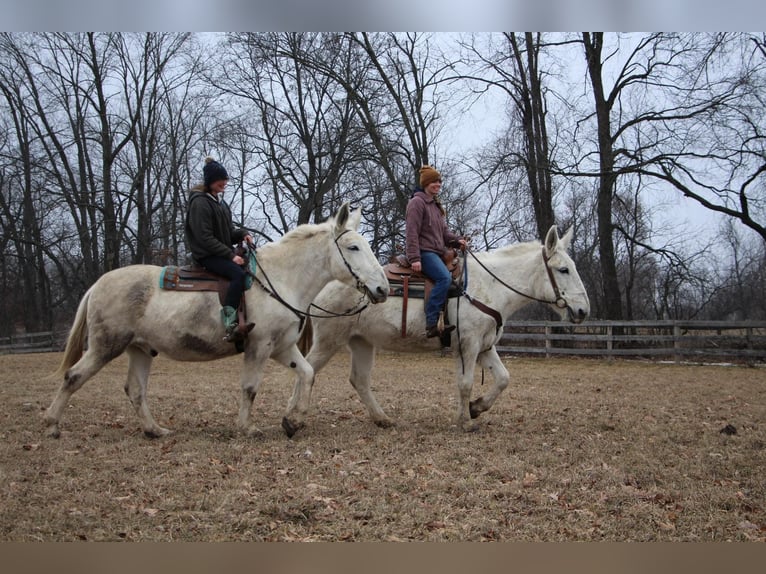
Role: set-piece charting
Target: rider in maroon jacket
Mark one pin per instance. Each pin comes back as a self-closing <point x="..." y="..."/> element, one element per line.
<point x="427" y="239"/>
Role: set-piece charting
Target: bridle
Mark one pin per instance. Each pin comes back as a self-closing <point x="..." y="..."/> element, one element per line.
<point x="302" y="315"/>
<point x="559" y="300"/>
<point x="360" y="286"/>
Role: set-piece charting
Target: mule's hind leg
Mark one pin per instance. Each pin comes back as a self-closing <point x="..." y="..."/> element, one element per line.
<point x="250" y="381"/>
<point x="491" y="361"/>
<point x="362" y="360"/>
<point x="74" y="378"/>
<point x="139" y="364"/>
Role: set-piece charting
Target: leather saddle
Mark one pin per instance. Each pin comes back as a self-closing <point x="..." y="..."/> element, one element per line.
<point x="406" y="283"/>
<point x="196" y="278"/>
<point x="403" y="280"/>
<point x="193" y="278"/>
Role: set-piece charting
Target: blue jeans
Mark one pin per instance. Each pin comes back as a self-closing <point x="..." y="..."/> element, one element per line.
<point x="435" y="269"/>
<point x="233" y="272"/>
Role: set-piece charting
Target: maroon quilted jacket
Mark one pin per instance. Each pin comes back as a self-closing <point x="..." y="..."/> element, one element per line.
<point x="426" y="227"/>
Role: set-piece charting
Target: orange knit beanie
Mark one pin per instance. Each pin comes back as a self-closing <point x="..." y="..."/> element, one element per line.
<point x="428" y="174"/>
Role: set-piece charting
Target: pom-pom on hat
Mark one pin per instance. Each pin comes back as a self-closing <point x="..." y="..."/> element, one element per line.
<point x="428" y="174"/>
<point x="213" y="171"/>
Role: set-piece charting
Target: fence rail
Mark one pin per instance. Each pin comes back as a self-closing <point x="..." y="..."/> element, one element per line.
<point x="45" y="342"/>
<point x="742" y="341"/>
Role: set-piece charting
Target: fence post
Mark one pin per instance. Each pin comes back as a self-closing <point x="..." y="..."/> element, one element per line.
<point x="547" y="341"/>
<point x="677" y="342"/>
<point x="609" y="341"/>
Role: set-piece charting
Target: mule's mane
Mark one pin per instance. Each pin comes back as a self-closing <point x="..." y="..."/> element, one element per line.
<point x="515" y="249"/>
<point x="303" y="232"/>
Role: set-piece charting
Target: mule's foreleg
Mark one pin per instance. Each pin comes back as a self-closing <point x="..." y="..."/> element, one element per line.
<point x="362" y="360"/>
<point x="490" y="361"/>
<point x="139" y="364"/>
<point x="465" y="368"/>
<point x="298" y="405"/>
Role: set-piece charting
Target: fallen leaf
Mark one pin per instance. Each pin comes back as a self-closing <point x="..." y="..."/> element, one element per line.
<point x="529" y="480"/>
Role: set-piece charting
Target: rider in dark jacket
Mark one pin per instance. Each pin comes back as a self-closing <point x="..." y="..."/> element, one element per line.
<point x="210" y="235"/>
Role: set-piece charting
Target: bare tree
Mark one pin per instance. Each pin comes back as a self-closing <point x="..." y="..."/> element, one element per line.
<point x="651" y="118"/>
<point x="603" y="103"/>
<point x="715" y="154"/>
<point x="514" y="68"/>
<point x="739" y="292"/>
<point x="22" y="208"/>
<point x="396" y="84"/>
<point x="305" y="120"/>
<point x="92" y="108"/>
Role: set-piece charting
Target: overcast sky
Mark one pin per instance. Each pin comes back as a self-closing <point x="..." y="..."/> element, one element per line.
<point x="380" y="15"/>
<point x="399" y="15"/>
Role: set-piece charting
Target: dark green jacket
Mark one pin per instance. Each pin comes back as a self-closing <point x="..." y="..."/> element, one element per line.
<point x="209" y="227"/>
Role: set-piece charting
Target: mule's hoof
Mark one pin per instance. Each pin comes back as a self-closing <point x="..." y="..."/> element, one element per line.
<point x="54" y="432"/>
<point x="474" y="410"/>
<point x="290" y="427"/>
<point x="467" y="426"/>
<point x="159" y="432"/>
<point x="384" y="423"/>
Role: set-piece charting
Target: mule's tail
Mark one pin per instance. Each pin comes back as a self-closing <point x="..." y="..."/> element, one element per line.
<point x="75" y="343"/>
<point x="306" y="338"/>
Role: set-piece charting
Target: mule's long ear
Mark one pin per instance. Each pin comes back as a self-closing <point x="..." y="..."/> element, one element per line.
<point x="566" y="240"/>
<point x="551" y="240"/>
<point x="341" y="218"/>
<point x="353" y="219"/>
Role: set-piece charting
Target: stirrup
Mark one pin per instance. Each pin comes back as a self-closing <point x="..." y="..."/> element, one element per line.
<point x="435" y="331"/>
<point x="233" y="337"/>
<point x="237" y="333"/>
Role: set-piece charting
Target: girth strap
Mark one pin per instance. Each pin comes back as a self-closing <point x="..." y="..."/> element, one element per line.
<point x="405" y="297"/>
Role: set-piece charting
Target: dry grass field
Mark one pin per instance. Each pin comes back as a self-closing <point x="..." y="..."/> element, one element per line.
<point x="574" y="450"/>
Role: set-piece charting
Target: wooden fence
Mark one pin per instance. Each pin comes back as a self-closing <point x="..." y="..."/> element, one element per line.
<point x="680" y="341"/>
<point x="46" y="342"/>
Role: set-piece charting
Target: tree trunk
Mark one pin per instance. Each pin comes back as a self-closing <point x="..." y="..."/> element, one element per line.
<point x="606" y="180"/>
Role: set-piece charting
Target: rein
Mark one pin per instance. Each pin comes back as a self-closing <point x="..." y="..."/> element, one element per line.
<point x="302" y="315"/>
<point x="560" y="302"/>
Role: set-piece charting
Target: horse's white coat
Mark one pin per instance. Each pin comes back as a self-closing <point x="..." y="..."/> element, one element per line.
<point x="126" y="311"/>
<point x="520" y="266"/>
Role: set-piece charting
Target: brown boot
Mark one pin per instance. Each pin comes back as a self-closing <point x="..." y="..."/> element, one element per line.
<point x="434" y="331"/>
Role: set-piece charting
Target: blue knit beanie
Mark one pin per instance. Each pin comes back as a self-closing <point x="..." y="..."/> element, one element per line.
<point x="213" y="171"/>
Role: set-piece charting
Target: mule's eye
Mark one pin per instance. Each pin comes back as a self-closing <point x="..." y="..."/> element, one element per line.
<point x="353" y="248"/>
<point x="564" y="270"/>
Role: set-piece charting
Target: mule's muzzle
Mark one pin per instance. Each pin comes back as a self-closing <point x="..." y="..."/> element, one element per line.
<point x="377" y="295"/>
<point x="577" y="316"/>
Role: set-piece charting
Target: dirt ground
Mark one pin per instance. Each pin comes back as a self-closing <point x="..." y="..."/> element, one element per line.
<point x="574" y="449"/>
